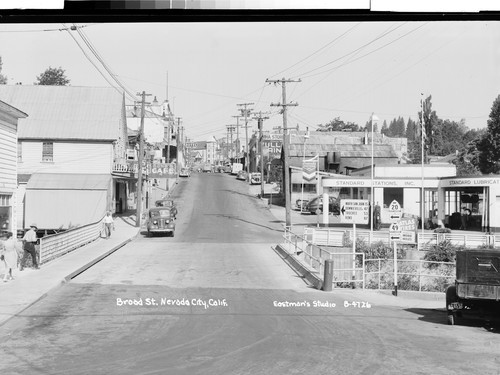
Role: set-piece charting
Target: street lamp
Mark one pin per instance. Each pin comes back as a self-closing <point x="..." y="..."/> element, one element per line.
<point x="306" y="137"/>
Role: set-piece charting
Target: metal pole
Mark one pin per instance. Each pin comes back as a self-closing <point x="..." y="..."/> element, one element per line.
<point x="422" y="198"/>
<point x="395" y="269"/>
<point x="261" y="159"/>
<point x="139" y="162"/>
<point x="372" y="193"/>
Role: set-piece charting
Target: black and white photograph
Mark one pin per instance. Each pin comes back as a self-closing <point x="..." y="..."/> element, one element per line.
<point x="255" y="192"/>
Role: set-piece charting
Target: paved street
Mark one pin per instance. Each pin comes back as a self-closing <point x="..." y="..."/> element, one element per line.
<point x="216" y="299"/>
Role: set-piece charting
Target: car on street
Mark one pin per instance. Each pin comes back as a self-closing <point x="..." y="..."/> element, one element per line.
<point x="301" y="204"/>
<point x="476" y="290"/>
<point x="242" y="175"/>
<point x="167" y="203"/>
<point x="184" y="172"/>
<point x="161" y="220"/>
<point x="317" y="203"/>
<point x="255" y="178"/>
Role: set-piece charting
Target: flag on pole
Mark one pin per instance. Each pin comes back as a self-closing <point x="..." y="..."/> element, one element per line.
<point x="309" y="168"/>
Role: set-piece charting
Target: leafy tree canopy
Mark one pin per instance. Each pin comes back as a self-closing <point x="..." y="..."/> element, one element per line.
<point x="3" y="79"/>
<point x="338" y="125"/>
<point x="489" y="147"/>
<point x="52" y="77"/>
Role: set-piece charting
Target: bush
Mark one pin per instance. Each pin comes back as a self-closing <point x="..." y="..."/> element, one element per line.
<point x="444" y="251"/>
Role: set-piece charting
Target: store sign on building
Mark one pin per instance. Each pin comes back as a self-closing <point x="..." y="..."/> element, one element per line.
<point x="273" y="147"/>
<point x="379" y="183"/>
<point x="153" y="170"/>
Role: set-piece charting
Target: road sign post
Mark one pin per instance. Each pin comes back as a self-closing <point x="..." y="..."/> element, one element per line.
<point x="354" y="211"/>
<point x="395" y="269"/>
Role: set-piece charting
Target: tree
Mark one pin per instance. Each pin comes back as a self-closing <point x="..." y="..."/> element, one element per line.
<point x="467" y="160"/>
<point x="385" y="129"/>
<point x="368" y="126"/>
<point x="411" y="127"/>
<point x="397" y="128"/>
<point x="430" y="121"/>
<point x="338" y="125"/>
<point x="53" y="77"/>
<point x="449" y="137"/>
<point x="3" y="79"/>
<point x="489" y="146"/>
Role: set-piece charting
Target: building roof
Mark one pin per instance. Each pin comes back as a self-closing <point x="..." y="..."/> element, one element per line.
<point x="345" y="150"/>
<point x="66" y="112"/>
<point x="14" y="112"/>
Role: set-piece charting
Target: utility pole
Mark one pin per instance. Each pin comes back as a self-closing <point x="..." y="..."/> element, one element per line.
<point x="177" y="141"/>
<point x="237" y="133"/>
<point x="139" y="162"/>
<point x="227" y="144"/>
<point x="260" y="122"/>
<point x="169" y="136"/>
<point x="286" y="151"/>
<point x="230" y="130"/>
<point x="245" y="113"/>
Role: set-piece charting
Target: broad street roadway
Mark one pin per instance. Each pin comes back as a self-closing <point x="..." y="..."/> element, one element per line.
<point x="217" y="299"/>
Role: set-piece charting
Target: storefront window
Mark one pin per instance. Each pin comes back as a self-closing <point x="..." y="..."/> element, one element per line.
<point x="5" y="213"/>
<point x="469" y="201"/>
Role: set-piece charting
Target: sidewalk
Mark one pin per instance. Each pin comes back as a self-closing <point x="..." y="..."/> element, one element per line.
<point x="29" y="286"/>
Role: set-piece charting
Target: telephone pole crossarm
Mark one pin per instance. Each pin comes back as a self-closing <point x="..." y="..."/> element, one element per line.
<point x="245" y="113"/>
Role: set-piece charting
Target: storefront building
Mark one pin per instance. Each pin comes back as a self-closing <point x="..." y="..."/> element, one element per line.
<point x="458" y="203"/>
<point x="9" y="117"/>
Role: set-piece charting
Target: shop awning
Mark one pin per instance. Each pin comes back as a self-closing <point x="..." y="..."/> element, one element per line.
<point x="62" y="201"/>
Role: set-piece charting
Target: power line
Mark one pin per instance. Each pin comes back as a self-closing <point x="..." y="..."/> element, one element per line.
<point x="101" y="60"/>
<point x="92" y="62"/>
<point x="350" y="53"/>
<point x="369" y="53"/>
<point x="317" y="51"/>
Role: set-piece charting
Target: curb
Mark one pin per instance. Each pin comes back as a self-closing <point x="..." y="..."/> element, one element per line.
<point x="85" y="267"/>
<point x="427" y="296"/>
<point x="310" y="276"/>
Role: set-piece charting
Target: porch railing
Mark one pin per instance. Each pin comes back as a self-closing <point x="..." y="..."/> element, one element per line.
<point x="335" y="237"/>
<point x="347" y="266"/>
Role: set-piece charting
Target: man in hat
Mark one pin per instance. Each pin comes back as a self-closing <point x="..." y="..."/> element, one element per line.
<point x="29" y="240"/>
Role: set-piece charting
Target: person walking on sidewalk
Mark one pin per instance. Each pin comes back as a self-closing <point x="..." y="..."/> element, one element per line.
<point x="30" y="240"/>
<point x="9" y="254"/>
<point x="108" y="224"/>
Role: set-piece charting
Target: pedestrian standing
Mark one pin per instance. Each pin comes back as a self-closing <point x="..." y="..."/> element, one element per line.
<point x="10" y="255"/>
<point x="108" y="224"/>
<point x="463" y="218"/>
<point x="30" y="240"/>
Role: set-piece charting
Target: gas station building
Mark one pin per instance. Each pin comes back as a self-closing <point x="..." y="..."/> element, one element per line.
<point x="446" y="196"/>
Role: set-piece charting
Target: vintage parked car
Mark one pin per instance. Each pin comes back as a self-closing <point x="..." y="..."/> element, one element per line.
<point x="184" y="172"/>
<point x="168" y="203"/>
<point x="255" y="178"/>
<point x="477" y="286"/>
<point x="242" y="175"/>
<point x="317" y="203"/>
<point x="301" y="204"/>
<point x="161" y="220"/>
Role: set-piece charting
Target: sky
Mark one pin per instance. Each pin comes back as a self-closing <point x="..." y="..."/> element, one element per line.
<point x="349" y="70"/>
